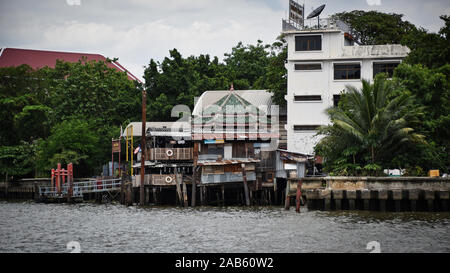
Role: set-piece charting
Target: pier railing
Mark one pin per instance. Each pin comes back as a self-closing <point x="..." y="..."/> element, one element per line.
<point x="82" y="187"/>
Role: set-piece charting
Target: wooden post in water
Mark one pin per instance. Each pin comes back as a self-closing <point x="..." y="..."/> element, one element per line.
<point x="298" y="197"/>
<point x="147" y="195"/>
<point x="202" y="201"/>
<point x="122" y="191"/>
<point x="244" y="177"/>
<point x="179" y="194"/>
<point x="287" y="200"/>
<point x="129" y="197"/>
<point x="36" y="191"/>
<point x="194" y="174"/>
<point x="185" y="195"/>
<point x="143" y="146"/>
<point x="275" y="192"/>
<point x="155" y="201"/>
<point x="223" y="195"/>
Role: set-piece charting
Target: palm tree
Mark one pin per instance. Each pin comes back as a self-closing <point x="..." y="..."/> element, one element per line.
<point x="373" y="122"/>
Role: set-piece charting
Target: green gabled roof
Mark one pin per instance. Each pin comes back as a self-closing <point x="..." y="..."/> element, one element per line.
<point x="244" y="110"/>
<point x="234" y="100"/>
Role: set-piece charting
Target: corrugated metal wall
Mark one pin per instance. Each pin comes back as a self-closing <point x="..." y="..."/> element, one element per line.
<point x="227" y="177"/>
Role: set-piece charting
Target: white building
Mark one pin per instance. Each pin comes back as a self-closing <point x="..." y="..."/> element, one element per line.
<point x="320" y="63"/>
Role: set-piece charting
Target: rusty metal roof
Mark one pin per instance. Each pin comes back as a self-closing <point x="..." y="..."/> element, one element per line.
<point x="226" y="162"/>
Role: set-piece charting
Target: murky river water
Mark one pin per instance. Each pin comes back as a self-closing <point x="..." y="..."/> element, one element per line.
<point x="30" y="227"/>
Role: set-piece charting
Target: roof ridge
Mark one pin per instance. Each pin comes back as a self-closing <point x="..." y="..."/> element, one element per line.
<point x="226" y="99"/>
<point x="55" y="51"/>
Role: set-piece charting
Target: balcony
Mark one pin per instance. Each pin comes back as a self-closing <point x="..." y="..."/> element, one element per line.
<point x="170" y="154"/>
<point x="158" y="180"/>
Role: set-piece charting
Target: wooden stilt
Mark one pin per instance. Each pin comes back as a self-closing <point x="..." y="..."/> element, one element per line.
<point x="185" y="195"/>
<point x="194" y="175"/>
<point x="244" y="176"/>
<point x="201" y="196"/>
<point x="223" y="195"/>
<point x="179" y="193"/>
<point x="155" y="200"/>
<point x="287" y="199"/>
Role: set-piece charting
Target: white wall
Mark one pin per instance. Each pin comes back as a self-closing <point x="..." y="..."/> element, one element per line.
<point x="321" y="82"/>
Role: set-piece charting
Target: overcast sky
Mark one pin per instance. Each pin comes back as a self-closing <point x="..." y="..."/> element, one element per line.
<point x="137" y="30"/>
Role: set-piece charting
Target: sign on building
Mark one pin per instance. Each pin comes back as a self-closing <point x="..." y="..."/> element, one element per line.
<point x="116" y="146"/>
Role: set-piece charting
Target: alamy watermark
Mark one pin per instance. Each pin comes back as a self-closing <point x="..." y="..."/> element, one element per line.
<point x="73" y="2"/>
<point x="74" y="246"/>
<point x="229" y="122"/>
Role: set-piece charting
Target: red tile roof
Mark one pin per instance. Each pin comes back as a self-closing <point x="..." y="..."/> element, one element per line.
<point x="42" y="58"/>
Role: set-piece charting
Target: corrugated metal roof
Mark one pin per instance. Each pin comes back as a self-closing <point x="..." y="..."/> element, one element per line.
<point x="42" y="58"/>
<point x="137" y="128"/>
<point x="226" y="162"/>
<point x="255" y="97"/>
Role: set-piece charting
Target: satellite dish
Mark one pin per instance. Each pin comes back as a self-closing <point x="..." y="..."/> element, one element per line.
<point x="316" y="12"/>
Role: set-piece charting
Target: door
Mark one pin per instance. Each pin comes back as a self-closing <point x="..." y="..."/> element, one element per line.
<point x="228" y="151"/>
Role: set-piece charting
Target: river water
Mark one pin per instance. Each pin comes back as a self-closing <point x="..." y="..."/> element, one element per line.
<point x="31" y="227"/>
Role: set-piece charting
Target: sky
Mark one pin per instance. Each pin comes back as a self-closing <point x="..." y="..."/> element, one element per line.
<point x="136" y="31"/>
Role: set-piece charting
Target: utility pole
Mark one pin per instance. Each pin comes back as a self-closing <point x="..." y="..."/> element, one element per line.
<point x="143" y="146"/>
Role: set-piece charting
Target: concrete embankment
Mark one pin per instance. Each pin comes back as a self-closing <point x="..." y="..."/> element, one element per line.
<point x="373" y="193"/>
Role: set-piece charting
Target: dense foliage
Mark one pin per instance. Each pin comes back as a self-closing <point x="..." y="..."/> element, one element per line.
<point x="71" y="112"/>
<point x="64" y="114"/>
<point x="423" y="76"/>
<point x="177" y="80"/>
<point x="370" y="127"/>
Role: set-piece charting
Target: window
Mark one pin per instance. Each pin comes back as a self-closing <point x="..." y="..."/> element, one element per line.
<point x="336" y="99"/>
<point x="317" y="66"/>
<point x="347" y="71"/>
<point x="384" y="68"/>
<point x="215" y="149"/>
<point x="306" y="127"/>
<point x="307" y="43"/>
<point x="308" y="98"/>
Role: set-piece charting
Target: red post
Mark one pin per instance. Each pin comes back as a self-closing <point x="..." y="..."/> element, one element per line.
<point x="63" y="174"/>
<point x="298" y="197"/>
<point x="99" y="183"/>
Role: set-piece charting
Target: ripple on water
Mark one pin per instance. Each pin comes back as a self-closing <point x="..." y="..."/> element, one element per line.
<point x="30" y="227"/>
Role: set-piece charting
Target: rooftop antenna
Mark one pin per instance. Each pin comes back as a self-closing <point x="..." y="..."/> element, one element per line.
<point x="317" y="13"/>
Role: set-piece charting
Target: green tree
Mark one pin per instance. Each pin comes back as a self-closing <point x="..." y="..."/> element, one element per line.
<point x="18" y="160"/>
<point x="177" y="80"/>
<point x="431" y="90"/>
<point x="369" y="127"/>
<point x="429" y="49"/>
<point x="275" y="77"/>
<point x="72" y="141"/>
<point x="373" y="27"/>
<point x="246" y="64"/>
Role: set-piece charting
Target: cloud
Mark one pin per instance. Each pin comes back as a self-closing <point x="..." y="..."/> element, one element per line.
<point x="137" y="30"/>
<point x="373" y="2"/>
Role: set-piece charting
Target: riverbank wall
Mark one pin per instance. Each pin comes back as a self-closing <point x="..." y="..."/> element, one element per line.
<point x="317" y="193"/>
<point x="372" y="193"/>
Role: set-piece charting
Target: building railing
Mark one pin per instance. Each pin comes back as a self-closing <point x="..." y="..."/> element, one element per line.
<point x="324" y="24"/>
<point x="170" y="154"/>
